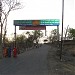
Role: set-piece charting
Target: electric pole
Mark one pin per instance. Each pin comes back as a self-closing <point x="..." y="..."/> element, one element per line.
<point x="62" y="29"/>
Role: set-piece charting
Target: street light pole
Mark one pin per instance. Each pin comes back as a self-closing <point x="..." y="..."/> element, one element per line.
<point x="62" y="29"/>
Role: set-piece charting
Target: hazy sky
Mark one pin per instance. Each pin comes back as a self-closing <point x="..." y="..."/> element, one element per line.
<point x="43" y="9"/>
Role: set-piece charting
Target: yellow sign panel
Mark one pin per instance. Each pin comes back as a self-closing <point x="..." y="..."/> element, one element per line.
<point x="35" y="22"/>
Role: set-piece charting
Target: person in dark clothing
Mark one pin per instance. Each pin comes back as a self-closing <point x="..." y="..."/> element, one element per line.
<point x="9" y="52"/>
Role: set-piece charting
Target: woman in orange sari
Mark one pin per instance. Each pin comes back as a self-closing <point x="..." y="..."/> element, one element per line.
<point x="5" y="52"/>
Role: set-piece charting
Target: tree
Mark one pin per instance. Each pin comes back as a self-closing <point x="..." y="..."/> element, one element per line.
<point x="37" y="34"/>
<point x="29" y="41"/>
<point x="21" y="42"/>
<point x="71" y="33"/>
<point x="7" y="7"/>
<point x="28" y="33"/>
<point x="0" y="39"/>
<point x="53" y="36"/>
<point x="20" y="38"/>
<point x="66" y="32"/>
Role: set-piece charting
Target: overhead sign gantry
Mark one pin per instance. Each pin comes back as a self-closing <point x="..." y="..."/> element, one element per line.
<point x="35" y="24"/>
<point x="46" y="22"/>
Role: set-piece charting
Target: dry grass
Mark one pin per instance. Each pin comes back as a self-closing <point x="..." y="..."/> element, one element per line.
<point x="64" y="67"/>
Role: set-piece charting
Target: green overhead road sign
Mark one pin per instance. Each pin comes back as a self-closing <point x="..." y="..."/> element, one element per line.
<point x="47" y="22"/>
<point x="50" y="22"/>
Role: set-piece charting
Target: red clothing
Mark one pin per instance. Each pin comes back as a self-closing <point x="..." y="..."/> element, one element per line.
<point x="15" y="52"/>
<point x="5" y="52"/>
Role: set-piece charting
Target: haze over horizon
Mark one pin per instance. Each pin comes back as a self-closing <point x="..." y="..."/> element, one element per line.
<point x="46" y="9"/>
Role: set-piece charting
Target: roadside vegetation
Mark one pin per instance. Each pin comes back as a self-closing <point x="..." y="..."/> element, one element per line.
<point x="24" y="42"/>
<point x="66" y="65"/>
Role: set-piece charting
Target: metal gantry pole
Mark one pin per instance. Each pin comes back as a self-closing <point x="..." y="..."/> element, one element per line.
<point x="62" y="29"/>
<point x="45" y="32"/>
<point x="58" y="36"/>
<point x="15" y="37"/>
<point x="58" y="33"/>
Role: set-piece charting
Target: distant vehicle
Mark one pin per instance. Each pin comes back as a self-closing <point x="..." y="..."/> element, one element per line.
<point x="46" y="40"/>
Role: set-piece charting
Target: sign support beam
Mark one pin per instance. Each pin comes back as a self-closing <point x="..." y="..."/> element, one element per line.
<point x="15" y="38"/>
<point x="58" y="33"/>
<point x="45" y="33"/>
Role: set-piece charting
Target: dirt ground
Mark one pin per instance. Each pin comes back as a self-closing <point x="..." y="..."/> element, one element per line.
<point x="64" y="67"/>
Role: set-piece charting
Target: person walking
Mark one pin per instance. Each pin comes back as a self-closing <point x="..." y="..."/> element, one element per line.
<point x="9" y="51"/>
<point x="5" y="52"/>
<point x="14" y="52"/>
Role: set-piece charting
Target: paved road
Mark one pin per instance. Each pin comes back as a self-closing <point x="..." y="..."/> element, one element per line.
<point x="33" y="62"/>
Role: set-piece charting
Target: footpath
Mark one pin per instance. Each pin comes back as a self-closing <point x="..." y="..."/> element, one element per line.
<point x="32" y="62"/>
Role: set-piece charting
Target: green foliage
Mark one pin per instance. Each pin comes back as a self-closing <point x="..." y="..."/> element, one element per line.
<point x="21" y="42"/>
<point x="37" y="34"/>
<point x="72" y="32"/>
<point x="29" y="41"/>
<point x="54" y="32"/>
<point x="53" y="36"/>
<point x="28" y="33"/>
<point x="20" y="38"/>
<point x="0" y="39"/>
